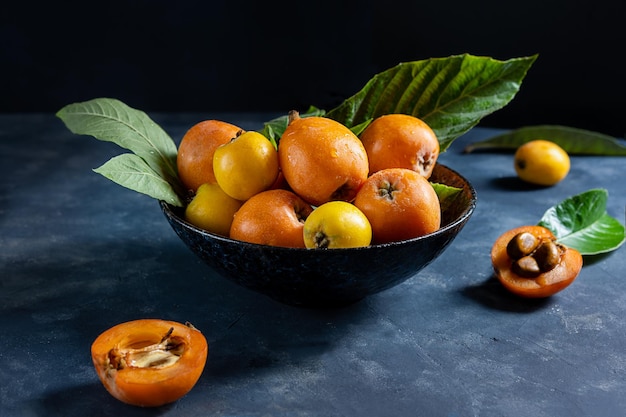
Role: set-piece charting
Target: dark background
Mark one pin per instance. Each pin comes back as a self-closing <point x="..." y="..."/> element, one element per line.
<point x="273" y="56"/>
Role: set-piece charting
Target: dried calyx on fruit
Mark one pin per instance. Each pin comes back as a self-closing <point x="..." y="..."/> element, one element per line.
<point x="533" y="255"/>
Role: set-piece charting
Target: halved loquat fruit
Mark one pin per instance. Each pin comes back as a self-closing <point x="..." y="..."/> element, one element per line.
<point x="529" y="262"/>
<point x="149" y="362"/>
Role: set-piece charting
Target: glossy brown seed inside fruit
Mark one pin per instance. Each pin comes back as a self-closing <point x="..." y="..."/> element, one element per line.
<point x="521" y="245"/>
<point x="526" y="267"/>
<point x="533" y="255"/>
<point x="548" y="255"/>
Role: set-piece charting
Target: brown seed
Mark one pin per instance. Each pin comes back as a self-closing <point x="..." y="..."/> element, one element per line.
<point x="548" y="255"/>
<point x="521" y="245"/>
<point x="526" y="267"/>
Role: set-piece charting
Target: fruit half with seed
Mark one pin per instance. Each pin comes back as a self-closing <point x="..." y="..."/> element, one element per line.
<point x="530" y="262"/>
<point x="149" y="362"/>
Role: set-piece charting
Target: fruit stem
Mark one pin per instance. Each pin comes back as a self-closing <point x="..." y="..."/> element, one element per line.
<point x="293" y="116"/>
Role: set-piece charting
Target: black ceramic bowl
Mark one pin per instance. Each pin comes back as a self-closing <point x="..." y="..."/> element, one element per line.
<point x="327" y="277"/>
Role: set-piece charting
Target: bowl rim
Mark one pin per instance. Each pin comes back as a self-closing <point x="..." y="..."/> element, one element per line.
<point x="170" y="212"/>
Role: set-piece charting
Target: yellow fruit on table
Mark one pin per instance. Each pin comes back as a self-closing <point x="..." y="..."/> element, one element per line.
<point x="212" y="209"/>
<point x="541" y="162"/>
<point x="246" y="165"/>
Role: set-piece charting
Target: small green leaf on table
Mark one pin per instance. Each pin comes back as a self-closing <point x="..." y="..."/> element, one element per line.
<point x="581" y="222"/>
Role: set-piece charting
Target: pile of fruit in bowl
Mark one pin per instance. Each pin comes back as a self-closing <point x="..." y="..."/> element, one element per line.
<point x="317" y="208"/>
<point x="326" y="217"/>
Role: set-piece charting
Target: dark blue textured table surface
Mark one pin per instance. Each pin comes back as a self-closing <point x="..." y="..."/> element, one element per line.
<point x="79" y="254"/>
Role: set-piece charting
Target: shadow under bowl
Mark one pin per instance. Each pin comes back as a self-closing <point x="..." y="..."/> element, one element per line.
<point x="326" y="278"/>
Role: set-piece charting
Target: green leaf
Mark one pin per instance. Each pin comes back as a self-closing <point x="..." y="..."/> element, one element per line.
<point x="275" y="128"/>
<point x="574" y="141"/>
<point x="358" y="129"/>
<point x="446" y="193"/>
<point x="113" y="121"/>
<point x="450" y="94"/>
<point x="582" y="223"/>
<point x="131" y="171"/>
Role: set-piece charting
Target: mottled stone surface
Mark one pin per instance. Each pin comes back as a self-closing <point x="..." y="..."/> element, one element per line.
<point x="79" y="254"/>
